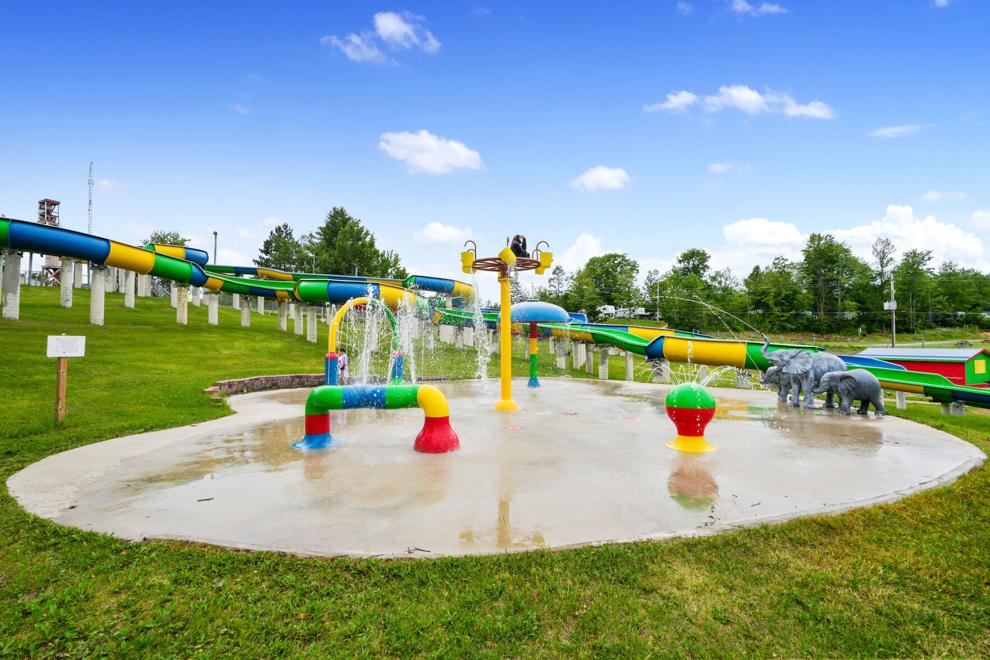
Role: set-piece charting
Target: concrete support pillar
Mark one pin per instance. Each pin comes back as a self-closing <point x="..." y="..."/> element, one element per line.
<point x="561" y="356"/>
<point x="660" y="371"/>
<point x="630" y="370"/>
<point x="97" y="294"/>
<point x="245" y="314"/>
<point x="551" y="345"/>
<point x="77" y="275"/>
<point x="235" y="301"/>
<point x="182" y="305"/>
<point x="261" y="305"/>
<point x="468" y="337"/>
<point x="577" y="351"/>
<point x="213" y="308"/>
<point x="901" y="398"/>
<point x="956" y="408"/>
<point x="589" y="363"/>
<point x="197" y="296"/>
<point x="311" y="324"/>
<point x="297" y="320"/>
<point x="129" y="289"/>
<point x="11" y="286"/>
<point x="174" y="293"/>
<point x="144" y="286"/>
<point x="121" y="278"/>
<point x="292" y="310"/>
<point x="283" y="315"/>
<point x="744" y="380"/>
<point x="602" y="363"/>
<point x="459" y="337"/>
<point x="494" y="343"/>
<point x="431" y="339"/>
<point x="65" y="274"/>
<point x="111" y="276"/>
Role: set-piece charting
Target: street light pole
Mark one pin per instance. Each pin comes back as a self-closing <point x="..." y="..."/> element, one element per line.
<point x="214" y="246"/>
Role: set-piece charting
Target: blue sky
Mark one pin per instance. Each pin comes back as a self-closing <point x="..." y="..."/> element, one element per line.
<point x="733" y="125"/>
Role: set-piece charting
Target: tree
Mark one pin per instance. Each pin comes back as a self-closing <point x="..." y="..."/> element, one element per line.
<point x="913" y="280"/>
<point x="609" y="279"/>
<point x="693" y="261"/>
<point x="167" y="237"/>
<point x="342" y="245"/>
<point x="160" y="286"/>
<point x="829" y="273"/>
<point x="776" y="297"/>
<point x="281" y="250"/>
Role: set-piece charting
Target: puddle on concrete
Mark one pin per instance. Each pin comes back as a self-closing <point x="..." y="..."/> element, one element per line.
<point x="582" y="462"/>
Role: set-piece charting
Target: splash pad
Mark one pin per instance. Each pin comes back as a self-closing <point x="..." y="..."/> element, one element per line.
<point x="584" y="462"/>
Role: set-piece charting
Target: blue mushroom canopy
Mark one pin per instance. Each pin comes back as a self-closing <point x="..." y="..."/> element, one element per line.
<point x="535" y="311"/>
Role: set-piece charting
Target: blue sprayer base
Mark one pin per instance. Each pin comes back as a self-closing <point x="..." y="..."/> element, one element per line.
<point x="314" y="441"/>
<point x="533" y="383"/>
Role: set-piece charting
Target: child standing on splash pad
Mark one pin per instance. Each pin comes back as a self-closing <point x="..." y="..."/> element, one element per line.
<point x="342" y="364"/>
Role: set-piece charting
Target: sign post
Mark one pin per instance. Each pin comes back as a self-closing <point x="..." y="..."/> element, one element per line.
<point x="63" y="347"/>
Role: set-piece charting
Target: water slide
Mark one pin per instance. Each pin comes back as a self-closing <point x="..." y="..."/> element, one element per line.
<point x="681" y="346"/>
<point x="189" y="266"/>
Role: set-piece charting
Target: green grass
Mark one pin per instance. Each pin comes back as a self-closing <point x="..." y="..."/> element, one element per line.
<point x="908" y="578"/>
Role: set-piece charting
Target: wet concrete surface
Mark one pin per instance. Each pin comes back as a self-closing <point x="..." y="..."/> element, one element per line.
<point x="581" y="462"/>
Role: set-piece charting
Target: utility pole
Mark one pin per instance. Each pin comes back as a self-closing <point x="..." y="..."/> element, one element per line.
<point x="893" y="314"/>
<point x="89" y="275"/>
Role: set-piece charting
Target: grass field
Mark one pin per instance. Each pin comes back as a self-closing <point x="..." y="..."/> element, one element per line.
<point x="907" y="578"/>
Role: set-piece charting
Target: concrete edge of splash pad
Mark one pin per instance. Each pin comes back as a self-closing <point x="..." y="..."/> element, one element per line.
<point x="54" y="486"/>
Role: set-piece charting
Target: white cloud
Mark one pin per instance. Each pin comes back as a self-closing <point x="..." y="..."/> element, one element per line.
<point x="756" y="241"/>
<point x="684" y="8"/>
<point x="426" y="153"/>
<point x="892" y="132"/>
<point x="747" y="100"/>
<point x="943" y="196"/>
<point x="676" y="102"/>
<point x="601" y="178"/>
<point x="725" y="168"/>
<point x="945" y="240"/>
<point x="438" y="233"/>
<point x="405" y="31"/>
<point x="241" y="109"/>
<point x="941" y="3"/>
<point x="357" y="47"/>
<point x="395" y="31"/>
<point x="575" y="255"/>
<point x="108" y="185"/>
<point x="744" y="8"/>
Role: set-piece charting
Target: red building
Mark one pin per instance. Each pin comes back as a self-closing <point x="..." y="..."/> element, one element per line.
<point x="963" y="366"/>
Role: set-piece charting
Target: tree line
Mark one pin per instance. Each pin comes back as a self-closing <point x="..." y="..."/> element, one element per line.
<point x="829" y="289"/>
<point x="342" y="245"/>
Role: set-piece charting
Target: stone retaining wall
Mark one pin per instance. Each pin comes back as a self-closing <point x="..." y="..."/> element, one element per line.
<point x="224" y="388"/>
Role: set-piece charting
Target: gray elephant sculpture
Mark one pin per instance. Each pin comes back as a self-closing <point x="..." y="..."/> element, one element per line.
<point x="854" y="385"/>
<point x="775" y="376"/>
<point x="807" y="369"/>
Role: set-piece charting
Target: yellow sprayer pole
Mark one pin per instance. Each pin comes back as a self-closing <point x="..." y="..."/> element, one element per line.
<point x="505" y="346"/>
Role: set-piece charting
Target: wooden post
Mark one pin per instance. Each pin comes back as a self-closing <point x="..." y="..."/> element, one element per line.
<point x="62" y="371"/>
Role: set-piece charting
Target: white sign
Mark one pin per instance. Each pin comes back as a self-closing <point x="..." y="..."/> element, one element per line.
<point x="890" y="306"/>
<point x="63" y="346"/>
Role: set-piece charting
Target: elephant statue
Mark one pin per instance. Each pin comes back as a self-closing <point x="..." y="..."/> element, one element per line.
<point x="853" y="385"/>
<point x="807" y="368"/>
<point x="775" y="376"/>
